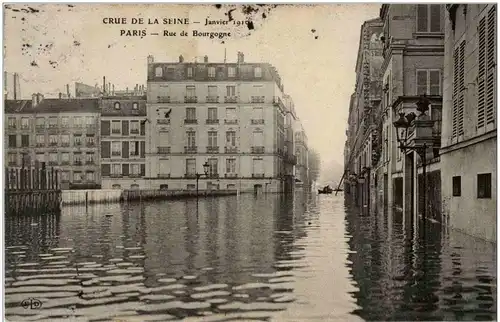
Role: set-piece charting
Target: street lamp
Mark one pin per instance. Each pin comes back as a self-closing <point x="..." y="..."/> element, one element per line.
<point x="198" y="175"/>
<point x="423" y="136"/>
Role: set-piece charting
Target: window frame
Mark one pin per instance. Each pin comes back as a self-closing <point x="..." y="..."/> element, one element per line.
<point x="429" y="20"/>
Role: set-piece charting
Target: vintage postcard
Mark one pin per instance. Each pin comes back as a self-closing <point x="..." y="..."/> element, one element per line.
<point x="236" y="162"/>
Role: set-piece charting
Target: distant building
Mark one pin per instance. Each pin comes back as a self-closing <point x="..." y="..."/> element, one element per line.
<point x="228" y="115"/>
<point x="469" y="136"/>
<point x="123" y="137"/>
<point x="61" y="133"/>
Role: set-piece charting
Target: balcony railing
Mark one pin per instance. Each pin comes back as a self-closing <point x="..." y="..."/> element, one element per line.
<point x="90" y="144"/>
<point x="77" y="163"/>
<point x="89" y="162"/>
<point x="163" y="121"/>
<point x="257" y="121"/>
<point x="212" y="121"/>
<point x="164" y="175"/>
<point x="212" y="99"/>
<point x="257" y="149"/>
<point x="39" y="127"/>
<point x="65" y="144"/>
<point x="39" y="145"/>
<point x="190" y="121"/>
<point x="190" y="149"/>
<point x="64" y="162"/>
<point x="12" y="127"/>
<point x="116" y="153"/>
<point x="53" y="163"/>
<point x="212" y="149"/>
<point x="231" y="99"/>
<point x="163" y="150"/>
<point x="231" y="175"/>
<point x="190" y="176"/>
<point x="115" y="175"/>
<point x="53" y="144"/>
<point x="257" y="99"/>
<point x="134" y="131"/>
<point x="78" y="143"/>
<point x="231" y="121"/>
<point x="190" y="99"/>
<point x="52" y="126"/>
<point x="116" y="131"/>
<point x="163" y="99"/>
<point x="231" y="149"/>
<point x="257" y="175"/>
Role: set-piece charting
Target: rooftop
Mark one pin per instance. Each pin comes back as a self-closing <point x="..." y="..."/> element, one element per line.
<point x="52" y="105"/>
<point x="126" y="106"/>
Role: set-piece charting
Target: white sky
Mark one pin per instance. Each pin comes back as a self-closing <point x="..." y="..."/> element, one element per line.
<point x="318" y="73"/>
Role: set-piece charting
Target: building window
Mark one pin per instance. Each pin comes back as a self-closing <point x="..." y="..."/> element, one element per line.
<point x="190" y="91"/>
<point x="231" y="114"/>
<point x="89" y="121"/>
<point x="212" y="139"/>
<point x="116" y="148"/>
<point x="116" y="169"/>
<point x="64" y="176"/>
<point x="65" y="121"/>
<point x="457" y="186"/>
<point x="164" y="187"/>
<point x="12" y="123"/>
<point x="213" y="167"/>
<point x="116" y="127"/>
<point x="65" y="140"/>
<point x="458" y="91"/>
<point x="257" y="168"/>
<point x="158" y="72"/>
<point x="212" y="91"/>
<point x="258" y="138"/>
<point x="190" y="72"/>
<point x="40" y="157"/>
<point x="40" y="122"/>
<point x="134" y="148"/>
<point x="12" y="159"/>
<point x="40" y="140"/>
<point x="25" y="123"/>
<point x="89" y="158"/>
<point x="257" y="72"/>
<point x="77" y="158"/>
<point x="230" y="138"/>
<point x="211" y="72"/>
<point x="429" y="18"/>
<point x="65" y="158"/>
<point x="486" y="84"/>
<point x="77" y="176"/>
<point x="170" y="71"/>
<point x="52" y="158"/>
<point x="135" y="106"/>
<point x="231" y="166"/>
<point x="25" y="141"/>
<point x="231" y="71"/>
<point x="135" y="169"/>
<point x="90" y="176"/>
<point x="90" y="140"/>
<point x="190" y="114"/>
<point x="117" y="105"/>
<point x="164" y="138"/>
<point x="191" y="138"/>
<point x="212" y="114"/>
<point x="12" y="141"/>
<point x="257" y="114"/>
<point x="134" y="127"/>
<point x="484" y="186"/>
<point x="190" y="167"/>
<point x="428" y="82"/>
<point x="164" y="168"/>
<point x="77" y="121"/>
<point x="231" y="90"/>
<point x="78" y="140"/>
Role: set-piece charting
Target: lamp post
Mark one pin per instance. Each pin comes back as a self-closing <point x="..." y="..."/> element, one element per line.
<point x="423" y="137"/>
<point x="198" y="175"/>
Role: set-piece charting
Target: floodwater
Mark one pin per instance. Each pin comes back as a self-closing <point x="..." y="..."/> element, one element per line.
<point x="258" y="258"/>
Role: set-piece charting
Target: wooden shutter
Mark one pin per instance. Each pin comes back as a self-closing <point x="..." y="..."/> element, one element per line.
<point x="105" y="170"/>
<point x="105" y="149"/>
<point x="422" y="82"/>
<point x="125" y="128"/>
<point x="143" y="170"/>
<point x="143" y="128"/>
<point x="435" y="82"/>
<point x="491" y="61"/>
<point x="125" y="168"/>
<point x="143" y="149"/>
<point x="105" y="127"/>
<point x="422" y="18"/>
<point x="435" y="11"/>
<point x="461" y="94"/>
<point x="125" y="153"/>
<point x="481" y="76"/>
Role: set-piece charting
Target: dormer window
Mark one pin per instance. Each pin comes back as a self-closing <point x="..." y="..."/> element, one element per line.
<point x="159" y="72"/>
<point x="117" y="106"/>
<point x="211" y="71"/>
<point x="135" y="106"/>
<point x="257" y="72"/>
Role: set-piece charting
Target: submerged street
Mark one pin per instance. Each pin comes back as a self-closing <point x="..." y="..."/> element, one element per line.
<point x="242" y="258"/>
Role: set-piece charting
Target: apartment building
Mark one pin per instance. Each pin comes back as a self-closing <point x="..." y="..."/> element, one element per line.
<point x="469" y="130"/>
<point x="413" y="66"/>
<point x="123" y="142"/>
<point x="363" y="107"/>
<point x="62" y="133"/>
<point x="301" y="155"/>
<point x="289" y="156"/>
<point x="230" y="116"/>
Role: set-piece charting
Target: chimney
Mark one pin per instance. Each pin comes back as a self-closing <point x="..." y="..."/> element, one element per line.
<point x="39" y="98"/>
<point x="109" y="88"/>
<point x="104" y="84"/>
<point x="60" y="95"/>
<point x="113" y="89"/>
<point x="126" y="90"/>
<point x="151" y="59"/>
<point x="181" y="59"/>
<point x="34" y="100"/>
<point x="205" y="59"/>
<point x="67" y="90"/>
<point x="15" y="86"/>
<point x="241" y="57"/>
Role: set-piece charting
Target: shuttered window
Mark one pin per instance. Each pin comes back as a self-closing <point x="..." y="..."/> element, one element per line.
<point x="486" y="89"/>
<point x="428" y="18"/>
<point x="458" y="90"/>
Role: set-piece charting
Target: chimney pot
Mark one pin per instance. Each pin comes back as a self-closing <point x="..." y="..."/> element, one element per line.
<point x="205" y="59"/>
<point x="151" y="59"/>
<point x="60" y="95"/>
<point x="181" y="59"/>
<point x="241" y="57"/>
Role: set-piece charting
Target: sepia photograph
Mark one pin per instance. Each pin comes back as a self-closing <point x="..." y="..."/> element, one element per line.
<point x="249" y="162"/>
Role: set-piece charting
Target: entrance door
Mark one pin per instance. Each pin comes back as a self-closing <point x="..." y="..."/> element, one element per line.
<point x="257" y="189"/>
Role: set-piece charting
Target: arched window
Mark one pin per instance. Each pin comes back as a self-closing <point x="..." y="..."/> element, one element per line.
<point x="135" y="105"/>
<point x="159" y="72"/>
<point x="117" y="105"/>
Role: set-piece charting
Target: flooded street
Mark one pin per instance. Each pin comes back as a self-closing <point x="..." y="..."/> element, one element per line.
<point x="263" y="258"/>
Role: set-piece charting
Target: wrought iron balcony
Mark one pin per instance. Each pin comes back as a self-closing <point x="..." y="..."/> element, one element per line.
<point x="190" y="99"/>
<point x="231" y="121"/>
<point x="115" y="175"/>
<point x="213" y="149"/>
<point x="163" y="175"/>
<point x="89" y="162"/>
<point x="231" y="175"/>
<point x="212" y="99"/>
<point x="190" y="121"/>
<point x="53" y="144"/>
<point x="163" y="121"/>
<point x="39" y="145"/>
<point x="212" y="121"/>
<point x="231" y="99"/>
<point x="257" y="121"/>
<point x="65" y="144"/>
<point x="257" y="149"/>
<point x="116" y="153"/>
<point x="231" y="149"/>
<point x="163" y="150"/>
<point x="77" y="163"/>
<point x="134" y="131"/>
<point x="190" y="176"/>
<point x="257" y="175"/>
<point x="257" y="99"/>
<point x="163" y="99"/>
<point x="191" y="149"/>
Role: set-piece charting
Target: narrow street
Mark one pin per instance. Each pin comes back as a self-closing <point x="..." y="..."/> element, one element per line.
<point x="248" y="257"/>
